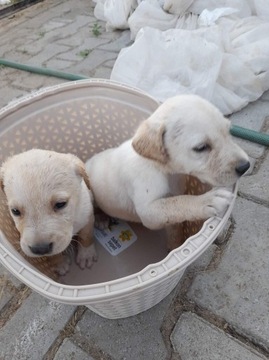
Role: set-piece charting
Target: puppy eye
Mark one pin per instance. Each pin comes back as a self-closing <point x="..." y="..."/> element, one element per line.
<point x="202" y="148"/>
<point x="60" y="205"/>
<point x="16" y="212"/>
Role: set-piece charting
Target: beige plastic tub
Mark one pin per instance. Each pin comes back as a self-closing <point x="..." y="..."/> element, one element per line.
<point x="83" y="118"/>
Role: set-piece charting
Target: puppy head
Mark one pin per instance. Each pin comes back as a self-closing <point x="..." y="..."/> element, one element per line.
<point x="189" y="135"/>
<point x="43" y="190"/>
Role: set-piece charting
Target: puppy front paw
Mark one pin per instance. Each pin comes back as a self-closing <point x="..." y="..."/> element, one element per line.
<point x="64" y="266"/>
<point x="86" y="256"/>
<point x="216" y="201"/>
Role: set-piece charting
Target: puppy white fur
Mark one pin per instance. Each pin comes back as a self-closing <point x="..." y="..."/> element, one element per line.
<point x="185" y="135"/>
<point x="50" y="201"/>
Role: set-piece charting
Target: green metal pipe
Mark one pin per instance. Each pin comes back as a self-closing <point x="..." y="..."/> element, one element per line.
<point x="243" y="133"/>
<point x="42" y="71"/>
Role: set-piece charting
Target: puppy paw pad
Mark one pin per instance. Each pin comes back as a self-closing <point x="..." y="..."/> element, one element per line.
<point x="86" y="256"/>
<point x="217" y="201"/>
<point x="63" y="268"/>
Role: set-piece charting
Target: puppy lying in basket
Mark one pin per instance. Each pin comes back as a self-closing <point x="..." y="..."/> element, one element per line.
<point x="185" y="135"/>
<point x="49" y="198"/>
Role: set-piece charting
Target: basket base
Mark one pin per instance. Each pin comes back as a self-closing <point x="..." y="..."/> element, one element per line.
<point x="149" y="248"/>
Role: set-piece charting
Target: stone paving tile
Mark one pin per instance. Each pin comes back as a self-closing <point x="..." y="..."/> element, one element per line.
<point x="12" y="93"/>
<point x="101" y="72"/>
<point x="109" y="63"/>
<point x="74" y="26"/>
<point x="9" y="285"/>
<point x="251" y="117"/>
<point x="31" y="48"/>
<point x="15" y="38"/>
<point x="121" y="42"/>
<point x="4" y="274"/>
<point x="51" y="80"/>
<point x="54" y="24"/>
<point x="5" y="293"/>
<point x="46" y="54"/>
<point x="70" y="351"/>
<point x="4" y="297"/>
<point x="92" y="61"/>
<point x="20" y="56"/>
<point x="112" y="35"/>
<point x="24" y="88"/>
<point x="238" y="289"/>
<point x="33" y="328"/>
<point x="81" y="43"/>
<point x="257" y="184"/>
<point x="28" y="81"/>
<point x="4" y="83"/>
<point x="50" y="9"/>
<point x="194" y="338"/>
<point x="79" y="53"/>
<point x="204" y="260"/>
<point x="59" y="64"/>
<point x="133" y="338"/>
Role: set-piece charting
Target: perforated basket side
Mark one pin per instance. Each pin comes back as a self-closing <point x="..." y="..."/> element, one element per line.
<point x="136" y="301"/>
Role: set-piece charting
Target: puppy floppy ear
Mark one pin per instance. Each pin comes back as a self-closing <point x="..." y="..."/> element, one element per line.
<point x="80" y="170"/>
<point x="149" y="142"/>
<point x="2" y="179"/>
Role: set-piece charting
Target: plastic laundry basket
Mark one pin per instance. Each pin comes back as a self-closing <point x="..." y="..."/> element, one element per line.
<point x="83" y="118"/>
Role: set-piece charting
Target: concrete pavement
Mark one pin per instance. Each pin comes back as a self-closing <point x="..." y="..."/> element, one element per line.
<point x="219" y="310"/>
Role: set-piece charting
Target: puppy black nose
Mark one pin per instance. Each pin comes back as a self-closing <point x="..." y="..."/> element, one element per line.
<point x="42" y="249"/>
<point x="242" y="167"/>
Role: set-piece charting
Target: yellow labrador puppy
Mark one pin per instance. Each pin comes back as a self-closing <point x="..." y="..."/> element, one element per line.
<point x="50" y="201"/>
<point x="185" y="135"/>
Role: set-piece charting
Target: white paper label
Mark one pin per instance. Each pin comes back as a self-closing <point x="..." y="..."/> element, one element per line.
<point x="116" y="238"/>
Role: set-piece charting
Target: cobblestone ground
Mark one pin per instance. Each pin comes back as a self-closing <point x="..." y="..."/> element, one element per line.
<point x="220" y="308"/>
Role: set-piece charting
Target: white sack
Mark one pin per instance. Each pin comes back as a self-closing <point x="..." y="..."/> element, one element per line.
<point x="178" y="7"/>
<point x="208" y="18"/>
<point x="223" y="55"/>
<point x="164" y="63"/>
<point x="158" y="18"/>
<point x="117" y="12"/>
<point x="99" y="10"/>
<point x="227" y="63"/>
<point x="259" y="8"/>
<point x="242" y="6"/>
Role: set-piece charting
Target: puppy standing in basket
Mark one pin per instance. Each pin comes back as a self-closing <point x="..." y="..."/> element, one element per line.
<point x="50" y="201"/>
<point x="185" y="135"/>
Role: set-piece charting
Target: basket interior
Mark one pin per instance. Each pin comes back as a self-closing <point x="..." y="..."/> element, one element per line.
<point x="84" y="119"/>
